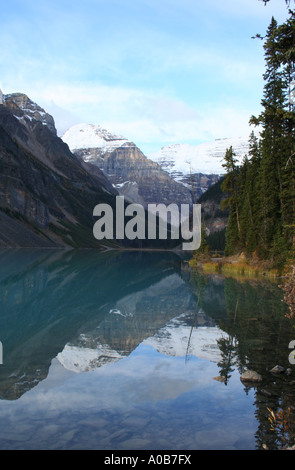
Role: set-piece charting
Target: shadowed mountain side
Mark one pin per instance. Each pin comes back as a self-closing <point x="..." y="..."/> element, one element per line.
<point x="47" y="194"/>
<point x="135" y="176"/>
<point x="44" y="188"/>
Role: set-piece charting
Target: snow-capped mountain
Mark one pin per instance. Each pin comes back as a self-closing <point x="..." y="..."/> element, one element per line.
<point x="135" y="176"/>
<point x="90" y="136"/>
<point x="176" y="339"/>
<point x="82" y="359"/>
<point x="181" y="160"/>
<point x="128" y="169"/>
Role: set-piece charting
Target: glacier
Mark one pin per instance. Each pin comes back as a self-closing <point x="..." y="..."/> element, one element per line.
<point x="182" y="159"/>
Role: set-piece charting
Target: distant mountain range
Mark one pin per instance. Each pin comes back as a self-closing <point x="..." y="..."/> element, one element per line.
<point x="182" y="160"/>
<point x="194" y="167"/>
<point x="135" y="176"/>
<point x="49" y="186"/>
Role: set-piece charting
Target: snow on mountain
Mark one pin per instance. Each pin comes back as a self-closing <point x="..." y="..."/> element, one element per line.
<point x="181" y="162"/>
<point x="87" y="136"/>
<point x="30" y="110"/>
<point x="182" y="159"/>
<point x="178" y="339"/>
<point x="83" y="359"/>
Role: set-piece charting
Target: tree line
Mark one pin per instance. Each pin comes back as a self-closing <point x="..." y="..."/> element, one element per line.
<point x="261" y="190"/>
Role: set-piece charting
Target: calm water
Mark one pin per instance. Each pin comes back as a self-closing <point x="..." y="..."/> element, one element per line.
<point x="122" y="351"/>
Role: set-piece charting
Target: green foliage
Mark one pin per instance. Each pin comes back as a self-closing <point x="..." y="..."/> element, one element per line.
<point x="261" y="192"/>
<point x="216" y="240"/>
<point x="204" y="247"/>
<point x="214" y="192"/>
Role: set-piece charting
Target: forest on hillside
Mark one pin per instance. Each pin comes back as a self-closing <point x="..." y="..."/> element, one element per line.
<point x="260" y="193"/>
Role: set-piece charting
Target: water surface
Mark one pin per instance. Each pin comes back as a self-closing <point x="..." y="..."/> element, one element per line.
<point x="134" y="351"/>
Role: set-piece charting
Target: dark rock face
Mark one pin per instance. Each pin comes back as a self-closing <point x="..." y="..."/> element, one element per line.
<point x="30" y="109"/>
<point x="47" y="195"/>
<point x="136" y="177"/>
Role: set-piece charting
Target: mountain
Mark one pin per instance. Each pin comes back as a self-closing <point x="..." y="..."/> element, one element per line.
<point x="47" y="195"/>
<point x="84" y="136"/>
<point x="214" y="217"/>
<point x="206" y="158"/>
<point x="25" y="109"/>
<point x="156" y="177"/>
<point x="200" y="165"/>
<point x="135" y="176"/>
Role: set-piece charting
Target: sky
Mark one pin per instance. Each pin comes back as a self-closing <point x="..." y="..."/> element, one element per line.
<point x="158" y="72"/>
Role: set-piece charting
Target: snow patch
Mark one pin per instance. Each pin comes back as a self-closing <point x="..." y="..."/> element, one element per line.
<point x="82" y="359"/>
<point x="86" y="136"/>
<point x="180" y="340"/>
<point x="206" y="158"/>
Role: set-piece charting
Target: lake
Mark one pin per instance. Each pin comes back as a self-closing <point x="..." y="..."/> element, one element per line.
<point x="133" y="350"/>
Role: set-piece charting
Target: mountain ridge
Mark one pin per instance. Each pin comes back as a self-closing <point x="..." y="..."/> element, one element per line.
<point x="205" y="158"/>
<point x="135" y="176"/>
<point x="196" y="167"/>
<point x="46" y="194"/>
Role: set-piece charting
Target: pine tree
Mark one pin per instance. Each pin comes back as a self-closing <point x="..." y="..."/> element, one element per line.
<point x="248" y="237"/>
<point x="253" y="193"/>
<point x="273" y="145"/>
<point x="262" y="190"/>
<point x="286" y="50"/>
<point x="230" y="186"/>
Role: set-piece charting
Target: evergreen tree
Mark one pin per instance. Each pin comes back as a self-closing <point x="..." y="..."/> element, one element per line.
<point x="248" y="236"/>
<point x="272" y="122"/>
<point x="286" y="50"/>
<point x="231" y="187"/>
<point x="262" y="190"/>
<point x="204" y="248"/>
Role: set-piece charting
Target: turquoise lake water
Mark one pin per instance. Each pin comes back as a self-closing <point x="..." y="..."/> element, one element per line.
<point x="121" y="351"/>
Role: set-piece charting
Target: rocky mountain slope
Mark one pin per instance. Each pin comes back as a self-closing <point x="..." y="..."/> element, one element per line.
<point x="128" y="169"/>
<point x="29" y="110"/>
<point x="200" y="165"/>
<point x="145" y="179"/>
<point x="47" y="195"/>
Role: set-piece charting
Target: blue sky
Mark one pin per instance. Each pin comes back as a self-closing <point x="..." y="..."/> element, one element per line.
<point x="156" y="71"/>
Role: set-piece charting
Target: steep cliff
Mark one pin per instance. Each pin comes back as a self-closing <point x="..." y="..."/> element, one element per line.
<point x="29" y="110"/>
<point x="47" y="196"/>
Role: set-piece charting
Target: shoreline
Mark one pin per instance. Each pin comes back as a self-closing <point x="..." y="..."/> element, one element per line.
<point x="237" y="265"/>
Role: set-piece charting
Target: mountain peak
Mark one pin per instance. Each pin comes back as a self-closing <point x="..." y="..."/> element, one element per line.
<point x="206" y="158"/>
<point x="86" y="136"/>
<point x="29" y="110"/>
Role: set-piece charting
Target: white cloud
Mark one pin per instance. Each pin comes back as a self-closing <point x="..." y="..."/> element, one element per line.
<point x="168" y="72"/>
<point x="147" y="118"/>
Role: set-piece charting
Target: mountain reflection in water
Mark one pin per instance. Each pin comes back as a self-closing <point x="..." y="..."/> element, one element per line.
<point x="76" y="312"/>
